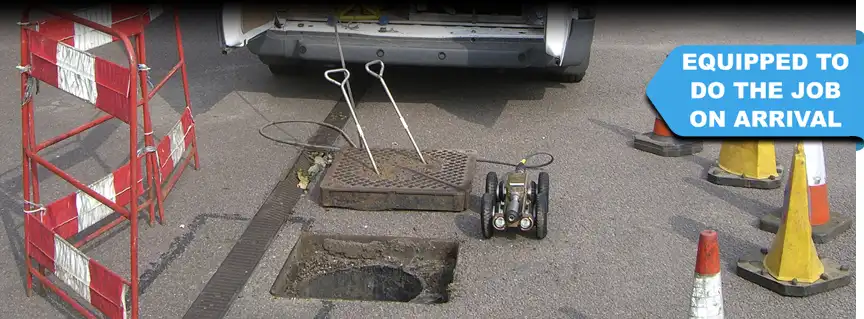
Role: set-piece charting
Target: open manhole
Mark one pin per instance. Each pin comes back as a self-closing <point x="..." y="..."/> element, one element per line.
<point x="370" y="268"/>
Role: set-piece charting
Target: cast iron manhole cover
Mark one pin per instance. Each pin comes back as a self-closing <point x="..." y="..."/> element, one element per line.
<point x="405" y="183"/>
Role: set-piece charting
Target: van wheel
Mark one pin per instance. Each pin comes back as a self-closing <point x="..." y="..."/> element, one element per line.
<point x="285" y="69"/>
<point x="566" y="75"/>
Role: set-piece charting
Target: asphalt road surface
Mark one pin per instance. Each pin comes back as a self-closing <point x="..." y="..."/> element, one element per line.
<point x="623" y="223"/>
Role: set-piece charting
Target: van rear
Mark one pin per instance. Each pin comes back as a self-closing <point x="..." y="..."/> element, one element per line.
<point x="555" y="37"/>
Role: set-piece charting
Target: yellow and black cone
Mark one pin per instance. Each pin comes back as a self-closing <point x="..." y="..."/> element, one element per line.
<point x="751" y="164"/>
<point x="661" y="141"/>
<point x="791" y="267"/>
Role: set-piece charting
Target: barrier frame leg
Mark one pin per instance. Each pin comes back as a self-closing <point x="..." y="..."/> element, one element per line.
<point x="151" y="158"/>
<point x="165" y="181"/>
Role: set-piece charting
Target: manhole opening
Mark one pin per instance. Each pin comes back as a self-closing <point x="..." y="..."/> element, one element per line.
<point x="368" y="268"/>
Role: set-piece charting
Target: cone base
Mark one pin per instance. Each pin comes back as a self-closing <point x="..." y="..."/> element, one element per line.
<point x="822" y="234"/>
<point x="666" y="146"/>
<point x="719" y="176"/>
<point x="750" y="267"/>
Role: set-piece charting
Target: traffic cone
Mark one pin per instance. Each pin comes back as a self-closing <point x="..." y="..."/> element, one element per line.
<point x="662" y="142"/>
<point x="825" y="226"/>
<point x="751" y="164"/>
<point x="792" y="267"/>
<point x="707" y="298"/>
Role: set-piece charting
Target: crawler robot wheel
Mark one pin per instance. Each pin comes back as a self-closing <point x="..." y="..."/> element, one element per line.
<point x="492" y="183"/>
<point x="487" y="205"/>
<point x="541" y="205"/>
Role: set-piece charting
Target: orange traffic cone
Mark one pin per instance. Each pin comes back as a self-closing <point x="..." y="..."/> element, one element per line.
<point x="750" y="164"/>
<point x="792" y="267"/>
<point x="825" y="226"/>
<point x="707" y="298"/>
<point x="662" y="142"/>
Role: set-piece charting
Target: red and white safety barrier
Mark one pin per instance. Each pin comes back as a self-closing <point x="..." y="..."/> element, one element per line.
<point x="54" y="51"/>
<point x="170" y="150"/>
<point x="123" y="18"/>
<point x="102" y="288"/>
<point x="96" y="80"/>
<point x="76" y="212"/>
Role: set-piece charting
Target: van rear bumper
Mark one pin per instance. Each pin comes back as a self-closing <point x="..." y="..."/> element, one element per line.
<point x="279" y="46"/>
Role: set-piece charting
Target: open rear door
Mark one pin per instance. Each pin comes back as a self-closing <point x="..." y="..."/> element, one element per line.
<point x="239" y="23"/>
<point x="559" y="20"/>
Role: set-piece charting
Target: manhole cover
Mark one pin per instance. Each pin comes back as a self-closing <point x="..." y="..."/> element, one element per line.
<point x="370" y="268"/>
<point x="404" y="183"/>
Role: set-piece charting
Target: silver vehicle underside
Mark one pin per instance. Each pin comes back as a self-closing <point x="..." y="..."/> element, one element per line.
<point x="556" y="37"/>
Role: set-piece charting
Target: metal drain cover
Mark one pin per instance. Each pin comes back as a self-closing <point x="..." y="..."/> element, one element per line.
<point x="405" y="183"/>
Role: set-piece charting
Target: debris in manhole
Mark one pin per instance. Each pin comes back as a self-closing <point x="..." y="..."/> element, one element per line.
<point x="303" y="178"/>
<point x="396" y="269"/>
<point x="374" y="283"/>
<point x="320" y="161"/>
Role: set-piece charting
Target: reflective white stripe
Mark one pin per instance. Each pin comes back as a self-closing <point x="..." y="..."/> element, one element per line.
<point x="91" y="210"/>
<point x="123" y="301"/>
<point x="707" y="299"/>
<point x="155" y="11"/>
<point x="76" y="72"/>
<point x="814" y="159"/>
<point x="178" y="142"/>
<point x="87" y="38"/>
<point x="72" y="267"/>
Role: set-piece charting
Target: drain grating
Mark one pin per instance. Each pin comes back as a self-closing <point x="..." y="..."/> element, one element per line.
<point x="405" y="183"/>
<point x="369" y="268"/>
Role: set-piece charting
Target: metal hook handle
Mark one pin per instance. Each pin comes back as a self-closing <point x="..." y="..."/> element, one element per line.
<point x="378" y="74"/>
<point x="343" y="70"/>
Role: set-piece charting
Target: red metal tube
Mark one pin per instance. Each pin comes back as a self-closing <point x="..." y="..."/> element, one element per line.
<point x="164" y="80"/>
<point x="133" y="178"/>
<point x="26" y="110"/>
<point x="54" y="169"/>
<point x="96" y="26"/>
<point x="182" y="56"/>
<point x="152" y="162"/>
<point x="176" y="175"/>
<point x="108" y="227"/>
<point x="62" y="294"/>
<point x="76" y="131"/>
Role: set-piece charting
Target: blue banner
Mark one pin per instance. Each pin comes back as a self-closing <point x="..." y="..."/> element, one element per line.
<point x="762" y="90"/>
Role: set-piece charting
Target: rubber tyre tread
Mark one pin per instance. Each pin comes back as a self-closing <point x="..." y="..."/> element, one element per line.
<point x="541" y="209"/>
<point x="487" y="202"/>
<point x="492" y="183"/>
<point x="565" y="75"/>
<point x="283" y="70"/>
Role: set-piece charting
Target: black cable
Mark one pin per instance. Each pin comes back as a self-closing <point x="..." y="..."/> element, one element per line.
<point x="313" y="146"/>
<point x="524" y="161"/>
<point x="345" y="135"/>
